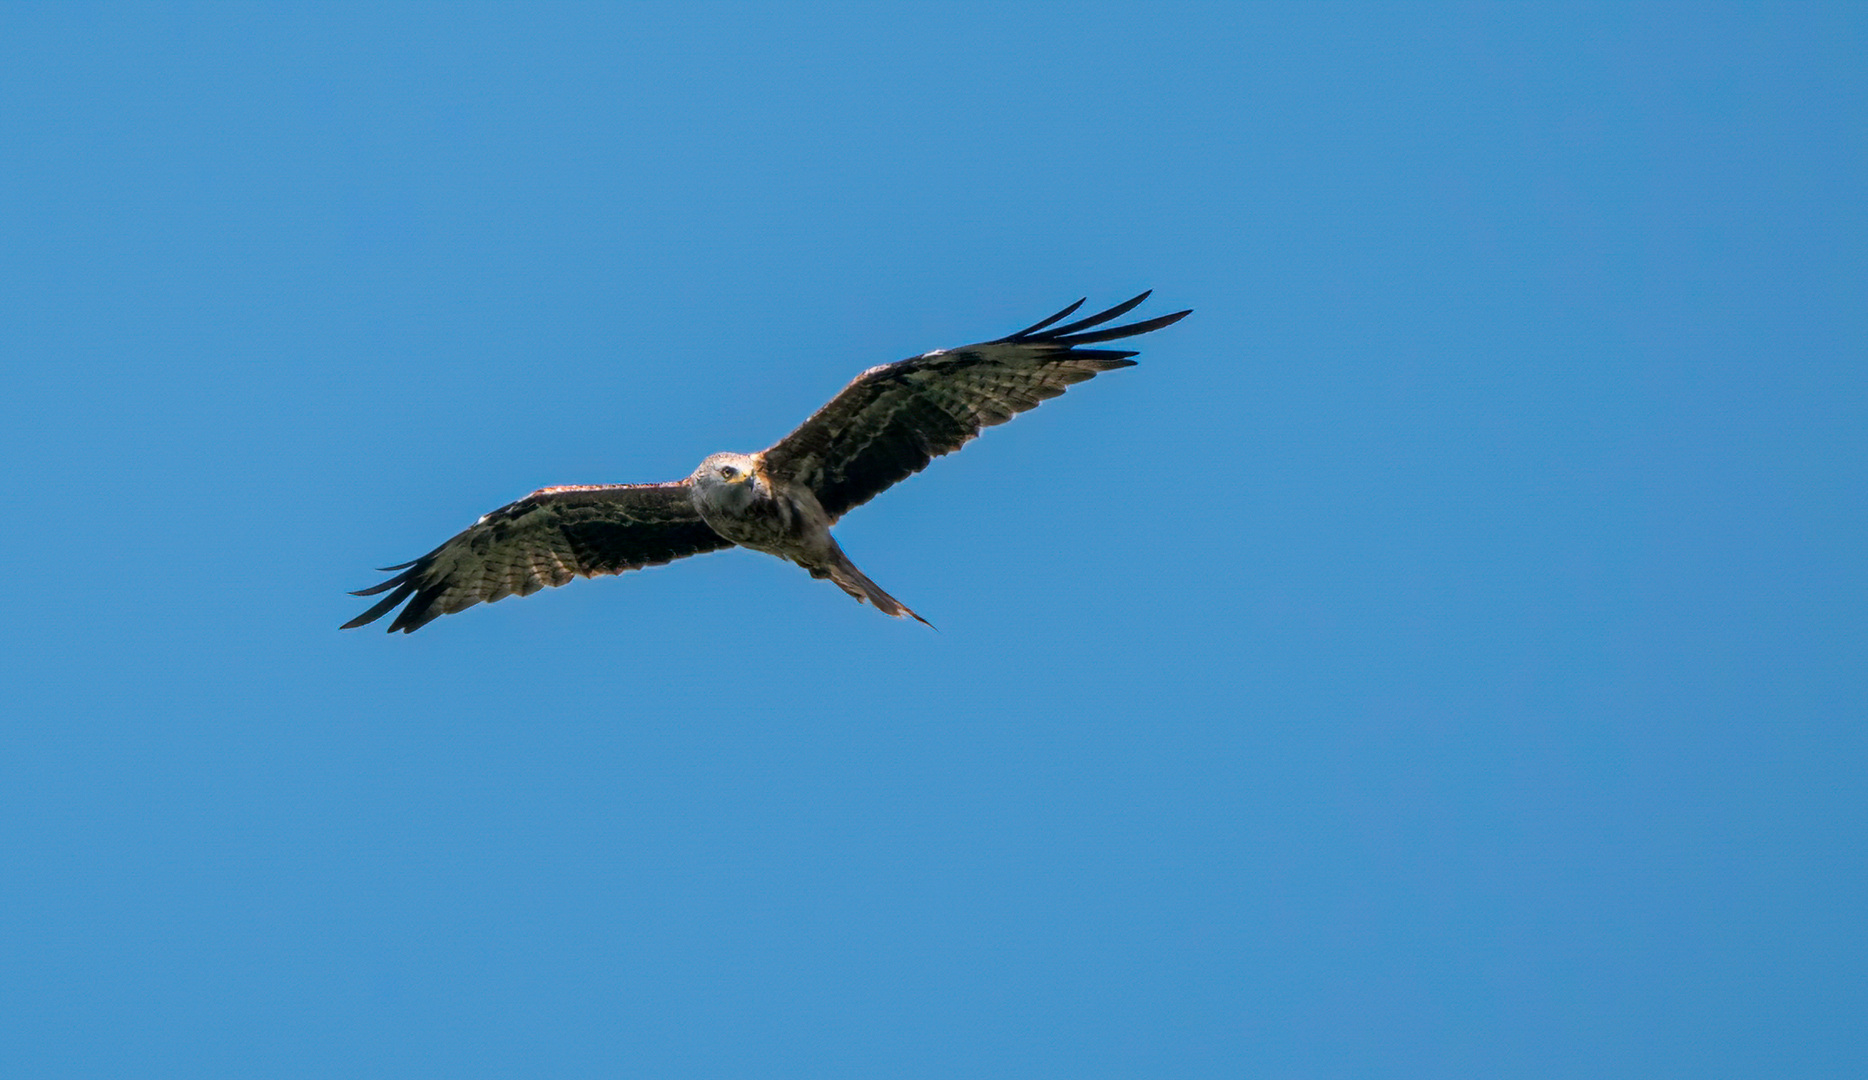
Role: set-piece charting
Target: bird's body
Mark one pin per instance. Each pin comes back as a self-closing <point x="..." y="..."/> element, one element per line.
<point x="886" y="425"/>
<point x="738" y="499"/>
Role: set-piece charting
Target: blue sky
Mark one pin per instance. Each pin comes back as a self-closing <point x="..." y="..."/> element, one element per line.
<point x="1442" y="656"/>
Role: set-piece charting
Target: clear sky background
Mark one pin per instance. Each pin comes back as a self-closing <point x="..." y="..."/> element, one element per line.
<point x="1443" y="656"/>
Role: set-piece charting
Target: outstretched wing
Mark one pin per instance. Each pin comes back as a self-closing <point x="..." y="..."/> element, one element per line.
<point x="892" y="420"/>
<point x="547" y="538"/>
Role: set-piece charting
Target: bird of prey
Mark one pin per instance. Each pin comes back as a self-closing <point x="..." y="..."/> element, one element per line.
<point x="885" y="426"/>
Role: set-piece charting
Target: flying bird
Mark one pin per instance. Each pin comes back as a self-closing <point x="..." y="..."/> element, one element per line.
<point x="884" y="427"/>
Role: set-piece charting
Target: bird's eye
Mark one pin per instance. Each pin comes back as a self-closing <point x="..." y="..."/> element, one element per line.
<point x="728" y="471"/>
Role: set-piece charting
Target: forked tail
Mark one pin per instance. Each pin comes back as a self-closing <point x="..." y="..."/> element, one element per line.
<point x="853" y="581"/>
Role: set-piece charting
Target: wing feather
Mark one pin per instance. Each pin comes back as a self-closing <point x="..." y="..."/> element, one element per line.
<point x="1042" y="323"/>
<point x="548" y="538"/>
<point x="892" y="420"/>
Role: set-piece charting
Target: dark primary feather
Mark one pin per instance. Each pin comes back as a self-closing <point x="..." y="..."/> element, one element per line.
<point x="547" y="538"/>
<point x="892" y="420"/>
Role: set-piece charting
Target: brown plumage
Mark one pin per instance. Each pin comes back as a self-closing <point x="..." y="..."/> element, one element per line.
<point x="547" y="538"/>
<point x="884" y="426"/>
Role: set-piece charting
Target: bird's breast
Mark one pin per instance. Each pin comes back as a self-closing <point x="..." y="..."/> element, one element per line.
<point x="775" y="518"/>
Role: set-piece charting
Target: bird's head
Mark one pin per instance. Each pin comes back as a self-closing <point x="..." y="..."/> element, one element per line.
<point x="727" y="477"/>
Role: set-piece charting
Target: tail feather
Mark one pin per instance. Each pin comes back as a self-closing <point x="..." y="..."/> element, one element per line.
<point x="853" y="581"/>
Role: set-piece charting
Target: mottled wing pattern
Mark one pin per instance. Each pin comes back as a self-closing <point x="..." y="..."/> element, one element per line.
<point x="892" y="420"/>
<point x="547" y="538"/>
